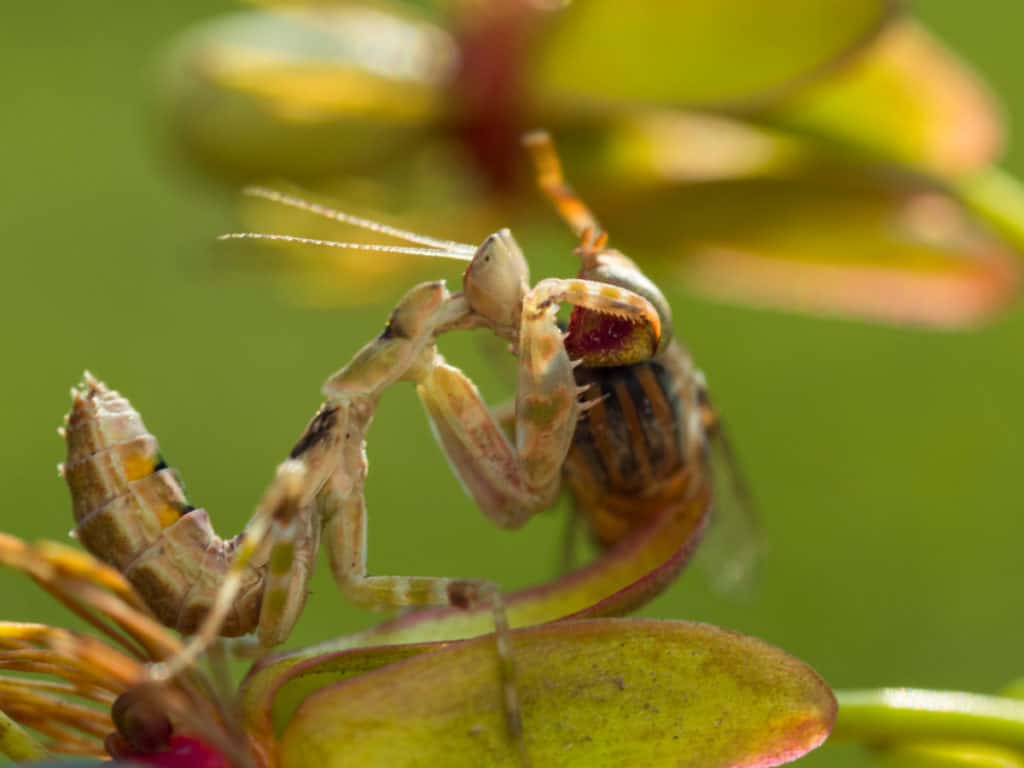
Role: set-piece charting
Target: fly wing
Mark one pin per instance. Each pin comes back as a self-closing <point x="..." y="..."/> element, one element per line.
<point x="730" y="554"/>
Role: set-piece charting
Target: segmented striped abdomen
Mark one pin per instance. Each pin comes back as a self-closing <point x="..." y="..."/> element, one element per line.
<point x="130" y="511"/>
<point x="635" y="450"/>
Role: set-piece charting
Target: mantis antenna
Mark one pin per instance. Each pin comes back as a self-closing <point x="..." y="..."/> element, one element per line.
<point x="435" y="252"/>
<point x="433" y="243"/>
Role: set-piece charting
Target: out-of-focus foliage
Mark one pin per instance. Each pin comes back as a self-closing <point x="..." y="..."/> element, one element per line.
<point x="856" y="129"/>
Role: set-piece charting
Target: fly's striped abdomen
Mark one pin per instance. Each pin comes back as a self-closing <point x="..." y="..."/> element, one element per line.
<point x="130" y="511"/>
<point x="629" y="452"/>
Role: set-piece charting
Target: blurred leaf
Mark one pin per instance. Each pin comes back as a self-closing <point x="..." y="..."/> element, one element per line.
<point x="601" y="53"/>
<point x="868" y="245"/>
<point x="323" y="88"/>
<point x="677" y="146"/>
<point x="907" y="99"/>
<point x="372" y="93"/>
<point x="770" y="221"/>
<point x="307" y="91"/>
<point x="593" y="693"/>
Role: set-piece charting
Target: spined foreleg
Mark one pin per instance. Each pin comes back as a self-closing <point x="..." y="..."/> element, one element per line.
<point x="512" y="479"/>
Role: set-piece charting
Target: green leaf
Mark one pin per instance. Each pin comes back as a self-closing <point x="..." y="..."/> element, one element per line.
<point x="832" y="241"/>
<point x="907" y="99"/>
<point x="593" y="693"/>
<point x="601" y="53"/>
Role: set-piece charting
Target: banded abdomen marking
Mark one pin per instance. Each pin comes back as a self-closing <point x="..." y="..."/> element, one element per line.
<point x="131" y="511"/>
<point x="628" y="453"/>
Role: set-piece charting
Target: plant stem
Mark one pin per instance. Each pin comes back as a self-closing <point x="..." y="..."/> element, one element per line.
<point x="885" y="715"/>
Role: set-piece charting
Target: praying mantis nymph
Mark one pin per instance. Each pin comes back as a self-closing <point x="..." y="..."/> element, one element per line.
<point x="612" y="409"/>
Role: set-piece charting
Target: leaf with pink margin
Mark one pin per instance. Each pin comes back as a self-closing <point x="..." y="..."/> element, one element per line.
<point x="833" y="241"/>
<point x="604" y="692"/>
<point x="906" y="99"/>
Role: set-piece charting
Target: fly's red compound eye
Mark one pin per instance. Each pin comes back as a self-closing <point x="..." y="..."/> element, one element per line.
<point x="602" y="340"/>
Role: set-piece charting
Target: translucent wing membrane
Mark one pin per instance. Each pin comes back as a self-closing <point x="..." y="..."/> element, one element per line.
<point x="733" y="546"/>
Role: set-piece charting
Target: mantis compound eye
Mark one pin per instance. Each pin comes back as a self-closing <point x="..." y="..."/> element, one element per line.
<point x="496" y="280"/>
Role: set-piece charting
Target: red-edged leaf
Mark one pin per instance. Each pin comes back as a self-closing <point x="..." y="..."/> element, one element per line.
<point x="593" y="693"/>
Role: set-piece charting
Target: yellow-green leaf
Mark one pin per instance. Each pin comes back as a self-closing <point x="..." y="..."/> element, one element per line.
<point x="906" y="99"/>
<point x="593" y="693"/>
<point x="602" y="53"/>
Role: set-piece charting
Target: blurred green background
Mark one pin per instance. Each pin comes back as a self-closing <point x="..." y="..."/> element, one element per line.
<point x="885" y="461"/>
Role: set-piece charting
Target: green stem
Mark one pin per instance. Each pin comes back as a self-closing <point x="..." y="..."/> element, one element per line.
<point x="998" y="198"/>
<point x="17" y="743"/>
<point x="889" y="715"/>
